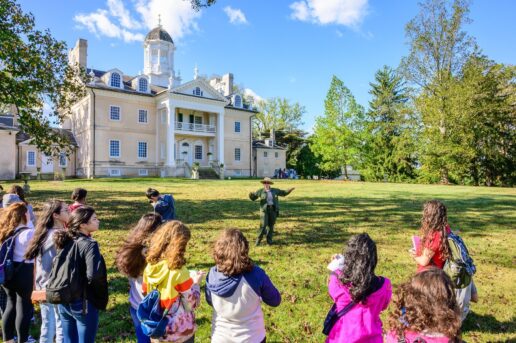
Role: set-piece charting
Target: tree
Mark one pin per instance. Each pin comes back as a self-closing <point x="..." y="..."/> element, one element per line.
<point x="438" y="50"/>
<point x="489" y="90"/>
<point x="198" y="4"/>
<point x="337" y="134"/>
<point x="293" y="141"/>
<point x="34" y="71"/>
<point x="389" y="144"/>
<point x="278" y="114"/>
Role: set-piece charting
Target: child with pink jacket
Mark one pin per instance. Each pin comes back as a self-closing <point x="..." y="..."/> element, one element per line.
<point x="355" y="281"/>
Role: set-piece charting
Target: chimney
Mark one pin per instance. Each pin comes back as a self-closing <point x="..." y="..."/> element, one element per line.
<point x="79" y="54"/>
<point x="227" y="79"/>
<point x="272" y="138"/>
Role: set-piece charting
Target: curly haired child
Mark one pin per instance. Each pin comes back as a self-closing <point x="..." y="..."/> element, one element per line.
<point x="425" y="310"/>
<point x="166" y="272"/>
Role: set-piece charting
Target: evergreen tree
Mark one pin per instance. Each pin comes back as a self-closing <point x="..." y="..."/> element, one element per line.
<point x="337" y="134"/>
<point x="388" y="153"/>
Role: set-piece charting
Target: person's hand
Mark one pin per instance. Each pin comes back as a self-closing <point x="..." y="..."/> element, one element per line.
<point x="412" y="253"/>
<point x="198" y="276"/>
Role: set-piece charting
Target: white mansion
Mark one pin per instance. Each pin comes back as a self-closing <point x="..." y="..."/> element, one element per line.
<point x="152" y="124"/>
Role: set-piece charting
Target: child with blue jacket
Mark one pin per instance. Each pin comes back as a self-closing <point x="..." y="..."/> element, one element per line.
<point x="235" y="288"/>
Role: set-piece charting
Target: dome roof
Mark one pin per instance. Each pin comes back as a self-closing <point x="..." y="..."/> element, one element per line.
<point x="158" y="33"/>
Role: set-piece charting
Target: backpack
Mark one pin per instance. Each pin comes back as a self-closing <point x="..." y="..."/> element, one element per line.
<point x="65" y="282"/>
<point x="7" y="255"/>
<point x="459" y="266"/>
<point x="153" y="319"/>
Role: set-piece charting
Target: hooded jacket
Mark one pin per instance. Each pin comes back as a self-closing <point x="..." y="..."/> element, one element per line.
<point x="236" y="301"/>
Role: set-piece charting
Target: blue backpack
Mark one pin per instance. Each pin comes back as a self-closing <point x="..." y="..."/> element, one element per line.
<point x="6" y="257"/>
<point x="153" y="318"/>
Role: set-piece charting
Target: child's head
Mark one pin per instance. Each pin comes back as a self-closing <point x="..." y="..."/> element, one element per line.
<point x="429" y="303"/>
<point x="54" y="214"/>
<point x="18" y="190"/>
<point x="10" y="218"/>
<point x="231" y="253"/>
<point x="130" y="260"/>
<point x="152" y="194"/>
<point x="435" y="219"/>
<point x="169" y="243"/>
<point x="360" y="260"/>
<point x="79" y="195"/>
<point x="82" y="221"/>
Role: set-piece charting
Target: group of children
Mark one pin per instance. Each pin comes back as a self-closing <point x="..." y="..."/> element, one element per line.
<point x="426" y="307"/>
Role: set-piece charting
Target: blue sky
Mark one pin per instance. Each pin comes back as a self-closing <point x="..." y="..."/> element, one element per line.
<point x="284" y="48"/>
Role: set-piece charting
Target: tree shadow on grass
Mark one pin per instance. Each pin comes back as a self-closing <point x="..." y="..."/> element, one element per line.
<point x="488" y="323"/>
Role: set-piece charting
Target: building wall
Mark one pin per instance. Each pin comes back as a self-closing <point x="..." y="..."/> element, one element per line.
<point x="128" y="130"/>
<point x="265" y="166"/>
<point x="8" y="155"/>
<point x="81" y="125"/>
<point x="23" y="150"/>
<point x="233" y="140"/>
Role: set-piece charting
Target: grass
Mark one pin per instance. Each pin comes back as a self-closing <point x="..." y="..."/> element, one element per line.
<point x="316" y="219"/>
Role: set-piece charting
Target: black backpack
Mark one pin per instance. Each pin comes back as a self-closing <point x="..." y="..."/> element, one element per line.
<point x="65" y="280"/>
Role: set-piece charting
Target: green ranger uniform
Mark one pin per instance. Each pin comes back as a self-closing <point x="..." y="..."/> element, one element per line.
<point x="269" y="210"/>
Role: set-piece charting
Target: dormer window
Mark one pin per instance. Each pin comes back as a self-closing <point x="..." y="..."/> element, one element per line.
<point x="238" y="101"/>
<point x="143" y="85"/>
<point x="197" y="91"/>
<point x="115" y="80"/>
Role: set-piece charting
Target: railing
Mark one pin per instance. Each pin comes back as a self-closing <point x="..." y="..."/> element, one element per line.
<point x="215" y="165"/>
<point x="192" y="127"/>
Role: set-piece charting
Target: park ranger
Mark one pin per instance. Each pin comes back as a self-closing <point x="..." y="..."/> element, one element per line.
<point x="269" y="208"/>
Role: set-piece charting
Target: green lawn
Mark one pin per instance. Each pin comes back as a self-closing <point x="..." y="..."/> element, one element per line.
<point x="316" y="219"/>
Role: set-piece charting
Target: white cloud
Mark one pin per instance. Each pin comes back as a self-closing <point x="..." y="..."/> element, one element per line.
<point x="235" y="15"/>
<point x="118" y="10"/>
<point x="100" y="24"/>
<point x="177" y="16"/>
<point x="132" y="24"/>
<point x="256" y="97"/>
<point x="341" y="12"/>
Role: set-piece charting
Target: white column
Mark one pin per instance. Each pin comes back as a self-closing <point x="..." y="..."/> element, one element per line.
<point x="220" y="136"/>
<point x="170" y="139"/>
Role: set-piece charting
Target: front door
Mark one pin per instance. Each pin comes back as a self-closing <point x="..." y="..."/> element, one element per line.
<point x="186" y="153"/>
<point x="47" y="164"/>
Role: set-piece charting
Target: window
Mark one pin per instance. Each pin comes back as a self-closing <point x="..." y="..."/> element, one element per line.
<point x="114" y="172"/>
<point x="142" y="116"/>
<point x="143" y="172"/>
<point x="197" y="91"/>
<point x="237" y="154"/>
<point x="142" y="85"/>
<point x="115" y="80"/>
<point x="31" y="158"/>
<point x="180" y="117"/>
<point x="198" y="152"/>
<point x="142" y="149"/>
<point x="238" y="101"/>
<point x="114" y="148"/>
<point x="198" y="120"/>
<point x="114" y="113"/>
<point x="237" y="126"/>
<point x="265" y="154"/>
<point x="276" y="154"/>
<point x="63" y="160"/>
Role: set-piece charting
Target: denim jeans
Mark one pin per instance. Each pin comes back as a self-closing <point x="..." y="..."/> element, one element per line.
<point x="140" y="336"/>
<point x="79" y="327"/>
<point x="50" y="324"/>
